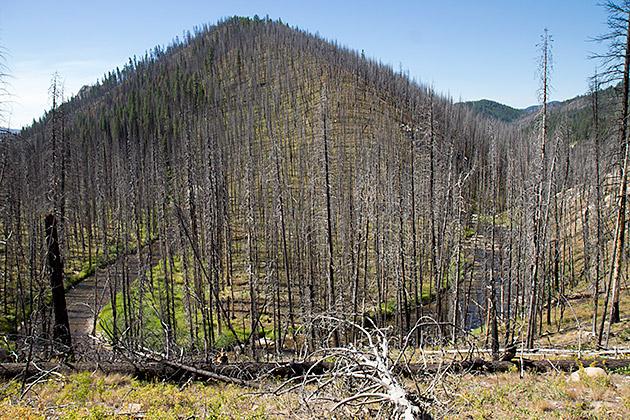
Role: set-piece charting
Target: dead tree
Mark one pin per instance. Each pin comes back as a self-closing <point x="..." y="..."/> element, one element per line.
<point x="61" y="327"/>
<point x="540" y="209"/>
<point x="367" y="370"/>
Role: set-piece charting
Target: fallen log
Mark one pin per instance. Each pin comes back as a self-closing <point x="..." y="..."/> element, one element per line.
<point x="145" y="371"/>
<point x="250" y="373"/>
<point x="243" y="374"/>
<point x="537" y="365"/>
<point x="203" y="373"/>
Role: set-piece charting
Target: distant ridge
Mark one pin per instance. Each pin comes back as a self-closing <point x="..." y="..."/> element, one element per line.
<point x="534" y="108"/>
<point x="575" y="114"/>
<point x="496" y="110"/>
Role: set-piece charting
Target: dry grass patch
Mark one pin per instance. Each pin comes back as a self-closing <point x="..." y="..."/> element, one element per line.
<point x="506" y="396"/>
<point x="545" y="405"/>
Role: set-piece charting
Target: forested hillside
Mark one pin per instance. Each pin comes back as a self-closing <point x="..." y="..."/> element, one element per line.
<point x="492" y="109"/>
<point x="280" y="178"/>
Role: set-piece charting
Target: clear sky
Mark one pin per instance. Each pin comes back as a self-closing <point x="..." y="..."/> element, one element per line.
<point x="466" y="49"/>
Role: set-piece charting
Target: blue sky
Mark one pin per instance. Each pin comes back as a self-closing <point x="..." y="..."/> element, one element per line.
<point x="466" y="49"/>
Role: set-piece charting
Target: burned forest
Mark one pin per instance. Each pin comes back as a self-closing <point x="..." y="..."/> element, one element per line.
<point x="256" y="193"/>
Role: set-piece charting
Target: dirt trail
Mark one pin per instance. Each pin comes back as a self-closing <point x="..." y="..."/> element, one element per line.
<point x="86" y="299"/>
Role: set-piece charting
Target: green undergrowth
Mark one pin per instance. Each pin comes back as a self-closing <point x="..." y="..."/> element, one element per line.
<point x="94" y="396"/>
<point x="75" y="278"/>
<point x="153" y="298"/>
<point x="390" y="308"/>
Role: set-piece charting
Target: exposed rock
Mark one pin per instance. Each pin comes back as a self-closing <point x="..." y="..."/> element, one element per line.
<point x="590" y="372"/>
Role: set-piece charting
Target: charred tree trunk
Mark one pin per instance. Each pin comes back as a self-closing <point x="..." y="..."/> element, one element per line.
<point x="597" y="201"/>
<point x="332" y="302"/>
<point x="539" y="209"/>
<point x="61" y="328"/>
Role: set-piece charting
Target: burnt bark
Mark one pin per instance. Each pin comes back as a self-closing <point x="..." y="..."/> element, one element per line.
<point x="61" y="328"/>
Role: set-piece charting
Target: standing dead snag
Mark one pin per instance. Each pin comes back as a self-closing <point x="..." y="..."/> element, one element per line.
<point x="61" y="328"/>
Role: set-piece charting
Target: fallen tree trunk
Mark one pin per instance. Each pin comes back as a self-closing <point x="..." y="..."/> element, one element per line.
<point x="237" y="373"/>
<point x="143" y="371"/>
<point x="491" y="366"/>
<point x="203" y="373"/>
<point x="246" y="374"/>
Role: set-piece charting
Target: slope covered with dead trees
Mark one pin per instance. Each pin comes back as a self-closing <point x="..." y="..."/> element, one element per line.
<point x="281" y="179"/>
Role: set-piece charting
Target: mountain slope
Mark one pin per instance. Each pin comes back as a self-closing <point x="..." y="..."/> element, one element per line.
<point x="573" y="118"/>
<point x="283" y="181"/>
<point x="282" y="176"/>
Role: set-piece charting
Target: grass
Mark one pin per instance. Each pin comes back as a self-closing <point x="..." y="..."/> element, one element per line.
<point x="153" y="308"/>
<point x="93" y="396"/>
<point x="538" y="396"/>
<point x="154" y="299"/>
<point x="500" y="396"/>
<point x="576" y="325"/>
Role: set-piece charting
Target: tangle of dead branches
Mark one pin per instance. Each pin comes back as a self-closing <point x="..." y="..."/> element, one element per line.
<point x="364" y="377"/>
